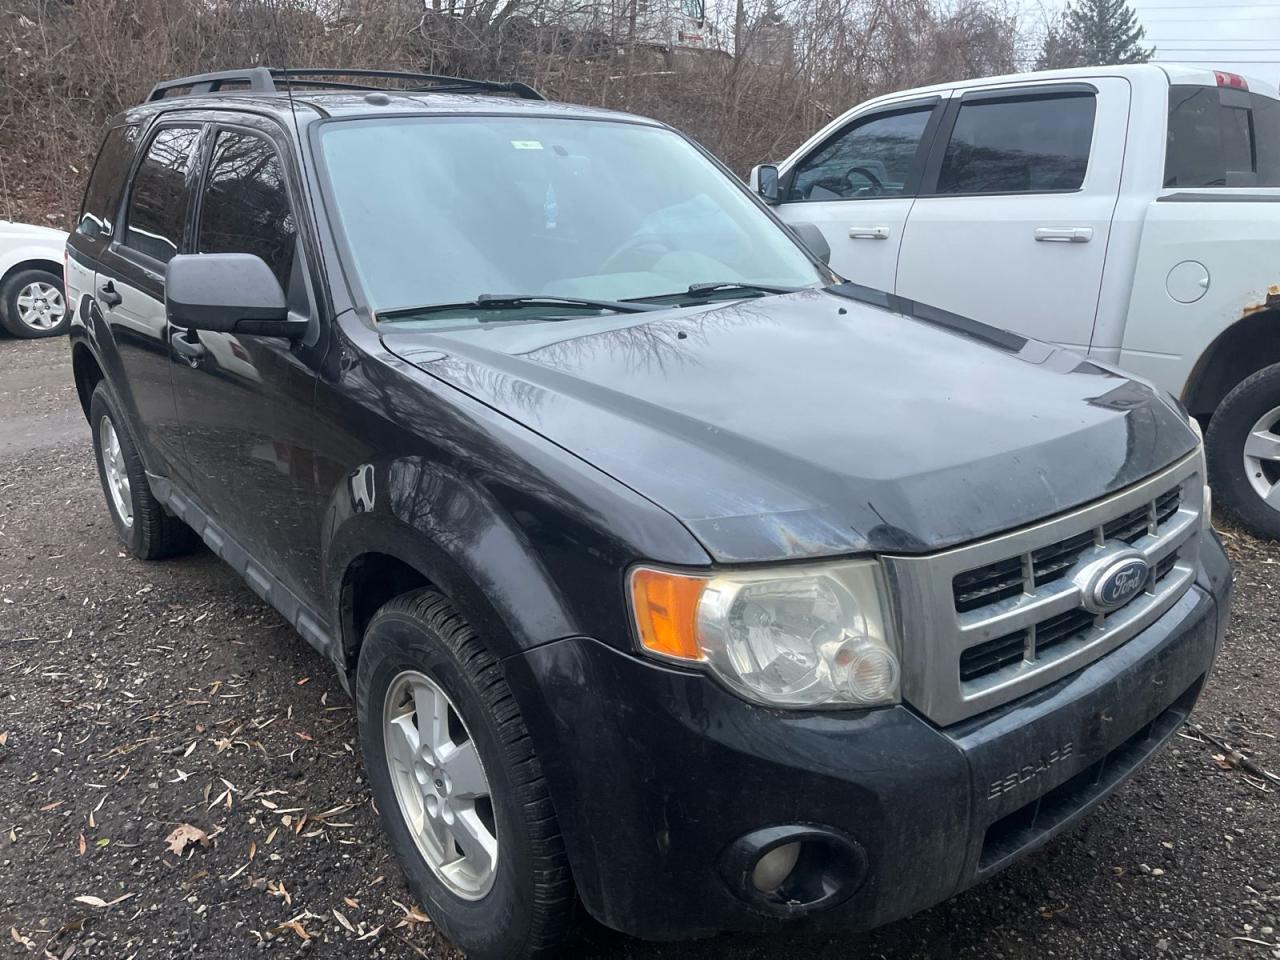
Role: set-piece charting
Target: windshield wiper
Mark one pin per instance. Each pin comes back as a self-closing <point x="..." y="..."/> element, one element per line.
<point x="706" y="289"/>
<point x="512" y="301"/>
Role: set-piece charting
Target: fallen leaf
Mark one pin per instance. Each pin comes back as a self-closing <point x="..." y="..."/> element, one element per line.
<point x="19" y="938"/>
<point x="353" y="904"/>
<point x="344" y="921"/>
<point x="99" y="902"/>
<point x="303" y="735"/>
<point x="185" y="835"/>
<point x="297" y="927"/>
<point x="4" y="738"/>
<point x="83" y="845"/>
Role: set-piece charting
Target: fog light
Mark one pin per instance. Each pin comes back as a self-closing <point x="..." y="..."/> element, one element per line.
<point x="774" y="867"/>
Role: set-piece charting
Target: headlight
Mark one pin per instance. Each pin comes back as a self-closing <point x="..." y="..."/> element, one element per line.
<point x="803" y="636"/>
<point x="1206" y="508"/>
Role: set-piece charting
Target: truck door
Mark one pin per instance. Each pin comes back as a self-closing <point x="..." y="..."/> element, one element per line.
<point x="245" y="401"/>
<point x="129" y="285"/>
<point x="1015" y="207"/>
<point x="856" y="185"/>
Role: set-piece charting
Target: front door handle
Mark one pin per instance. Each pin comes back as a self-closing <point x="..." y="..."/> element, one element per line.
<point x="187" y="346"/>
<point x="868" y="233"/>
<point x="1064" y="234"/>
<point x="108" y="295"/>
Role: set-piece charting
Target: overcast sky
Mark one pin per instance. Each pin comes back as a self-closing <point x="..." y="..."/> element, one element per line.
<point x="1230" y="34"/>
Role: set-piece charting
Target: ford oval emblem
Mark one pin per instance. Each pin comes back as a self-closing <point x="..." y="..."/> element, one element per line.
<point x="1119" y="583"/>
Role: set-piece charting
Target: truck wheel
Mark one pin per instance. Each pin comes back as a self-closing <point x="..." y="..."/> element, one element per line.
<point x="1243" y="447"/>
<point x="458" y="786"/>
<point x="32" y="304"/>
<point x="147" y="529"/>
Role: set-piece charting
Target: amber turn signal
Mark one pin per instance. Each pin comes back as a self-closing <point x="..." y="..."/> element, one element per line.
<point x="666" y="611"/>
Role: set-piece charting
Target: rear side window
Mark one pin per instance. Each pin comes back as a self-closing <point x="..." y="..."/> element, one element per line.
<point x="1024" y="145"/>
<point x="246" y="204"/>
<point x="158" y="199"/>
<point x="1222" y="137"/>
<point x="870" y="158"/>
<point x="106" y="182"/>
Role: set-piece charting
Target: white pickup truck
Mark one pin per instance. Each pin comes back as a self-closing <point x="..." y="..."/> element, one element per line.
<point x="1132" y="213"/>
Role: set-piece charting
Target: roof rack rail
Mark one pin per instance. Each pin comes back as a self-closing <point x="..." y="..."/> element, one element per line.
<point x="273" y="80"/>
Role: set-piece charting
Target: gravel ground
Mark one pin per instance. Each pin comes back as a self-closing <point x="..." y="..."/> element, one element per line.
<point x="138" y="699"/>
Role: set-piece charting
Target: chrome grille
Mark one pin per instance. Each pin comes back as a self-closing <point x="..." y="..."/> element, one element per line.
<point x="991" y="621"/>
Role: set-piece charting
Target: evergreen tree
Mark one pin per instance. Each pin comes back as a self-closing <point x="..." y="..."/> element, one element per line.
<point x="1094" y="32"/>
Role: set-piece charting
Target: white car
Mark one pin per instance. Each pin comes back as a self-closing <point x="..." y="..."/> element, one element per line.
<point x="32" y="303"/>
<point x="1132" y="213"/>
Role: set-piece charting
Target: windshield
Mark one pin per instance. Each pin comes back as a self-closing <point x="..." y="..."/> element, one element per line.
<point x="442" y="210"/>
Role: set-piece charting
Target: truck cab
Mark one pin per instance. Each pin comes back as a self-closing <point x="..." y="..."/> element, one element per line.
<point x="1124" y="212"/>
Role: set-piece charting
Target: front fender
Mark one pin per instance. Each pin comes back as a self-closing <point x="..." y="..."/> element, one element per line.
<point x="28" y="252"/>
<point x="459" y="537"/>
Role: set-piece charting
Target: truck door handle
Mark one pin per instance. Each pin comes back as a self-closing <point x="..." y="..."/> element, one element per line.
<point x="1064" y="234"/>
<point x="868" y="233"/>
<point x="108" y="295"/>
<point x="187" y="346"/>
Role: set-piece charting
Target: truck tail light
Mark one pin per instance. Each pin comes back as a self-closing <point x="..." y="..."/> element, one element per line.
<point x="1232" y="80"/>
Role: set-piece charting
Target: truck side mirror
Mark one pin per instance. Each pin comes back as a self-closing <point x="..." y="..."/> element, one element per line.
<point x="813" y="239"/>
<point x="227" y="293"/>
<point x="765" y="177"/>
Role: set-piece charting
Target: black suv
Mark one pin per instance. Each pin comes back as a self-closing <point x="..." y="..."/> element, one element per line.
<point x="670" y="575"/>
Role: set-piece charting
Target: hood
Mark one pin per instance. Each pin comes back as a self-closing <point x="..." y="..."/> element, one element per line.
<point x="817" y="423"/>
<point x="31" y="231"/>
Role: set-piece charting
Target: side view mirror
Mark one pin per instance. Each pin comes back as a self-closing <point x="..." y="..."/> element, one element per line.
<point x="227" y="293"/>
<point x="813" y="239"/>
<point x="765" y="178"/>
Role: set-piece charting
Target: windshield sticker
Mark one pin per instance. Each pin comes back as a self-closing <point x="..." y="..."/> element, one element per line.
<point x="526" y="144"/>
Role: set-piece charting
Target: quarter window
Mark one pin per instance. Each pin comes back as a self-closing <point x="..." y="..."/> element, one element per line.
<point x="158" y="200"/>
<point x="1025" y="145"/>
<point x="871" y="158"/>
<point x="246" y="204"/>
<point x="110" y="171"/>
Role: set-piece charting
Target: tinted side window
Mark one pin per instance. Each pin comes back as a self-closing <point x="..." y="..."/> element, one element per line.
<point x="106" y="182"/>
<point x="872" y="158"/>
<point x="158" y="199"/>
<point x="1028" y="145"/>
<point x="246" y="204"/>
<point x="1222" y="138"/>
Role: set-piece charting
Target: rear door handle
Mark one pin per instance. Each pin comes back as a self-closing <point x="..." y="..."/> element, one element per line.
<point x="868" y="233"/>
<point x="1064" y="234"/>
<point x="108" y="295"/>
<point x="186" y="346"/>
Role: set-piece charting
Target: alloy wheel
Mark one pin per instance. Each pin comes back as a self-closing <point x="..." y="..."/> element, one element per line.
<point x="440" y="784"/>
<point x="41" y="306"/>
<point x="1262" y="458"/>
<point x="113" y="465"/>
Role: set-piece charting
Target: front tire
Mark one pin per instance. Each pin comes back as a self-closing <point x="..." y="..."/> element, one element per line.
<point x="33" y="304"/>
<point x="146" y="528"/>
<point x="1243" y="449"/>
<point x="458" y="785"/>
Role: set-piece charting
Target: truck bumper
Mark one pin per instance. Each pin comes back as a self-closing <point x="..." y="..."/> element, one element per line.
<point x="667" y="786"/>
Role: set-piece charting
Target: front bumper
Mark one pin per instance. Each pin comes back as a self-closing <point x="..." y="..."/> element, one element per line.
<point x="657" y="773"/>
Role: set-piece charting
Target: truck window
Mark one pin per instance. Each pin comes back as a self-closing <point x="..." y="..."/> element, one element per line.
<point x="872" y="157"/>
<point x="246" y="205"/>
<point x="110" y="171"/>
<point x="158" y="198"/>
<point x="1222" y="138"/>
<point x="1028" y="144"/>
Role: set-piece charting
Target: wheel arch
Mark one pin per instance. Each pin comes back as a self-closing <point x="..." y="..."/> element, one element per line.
<point x="1241" y="350"/>
<point x="38" y="262"/>
<point x="394" y="557"/>
<point x="87" y="373"/>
